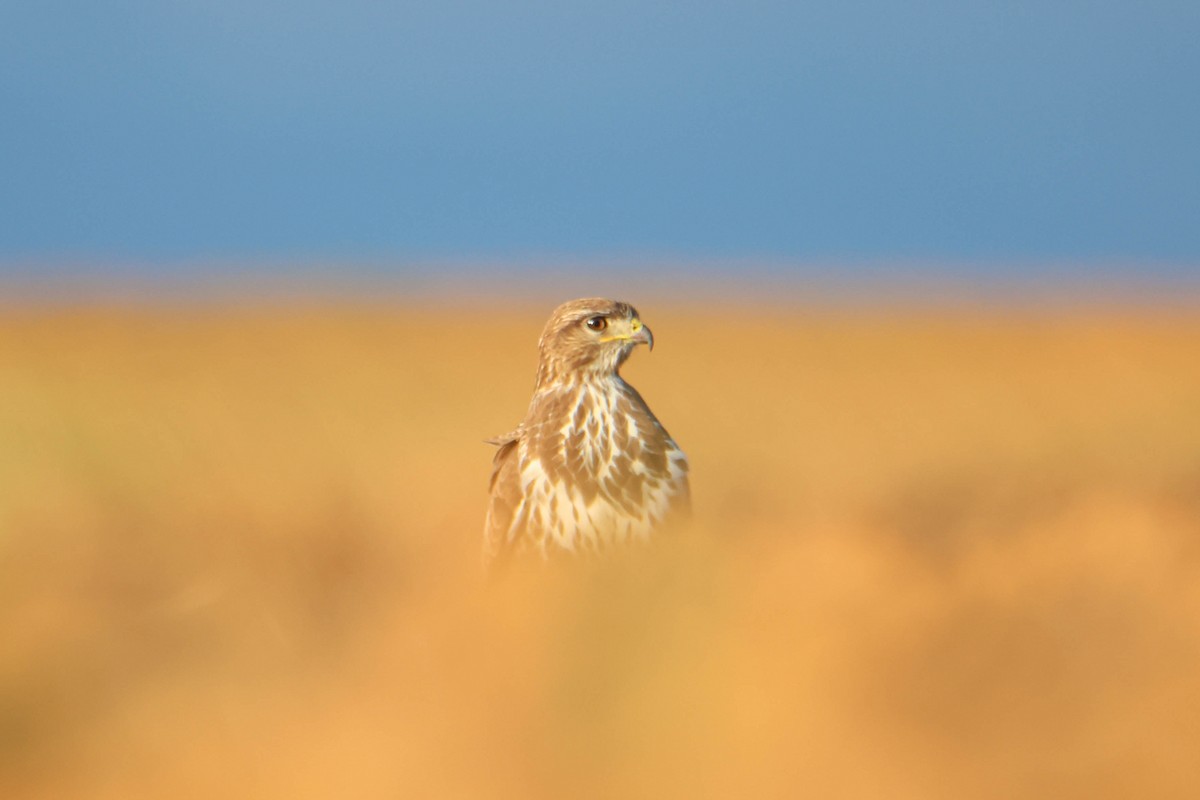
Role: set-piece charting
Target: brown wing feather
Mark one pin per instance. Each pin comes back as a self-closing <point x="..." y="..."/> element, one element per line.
<point x="654" y="449"/>
<point x="505" y="496"/>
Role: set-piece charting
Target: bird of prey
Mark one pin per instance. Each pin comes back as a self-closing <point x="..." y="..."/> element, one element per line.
<point x="589" y="466"/>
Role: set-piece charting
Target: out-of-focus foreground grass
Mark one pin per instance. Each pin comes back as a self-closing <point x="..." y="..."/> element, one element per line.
<point x="937" y="554"/>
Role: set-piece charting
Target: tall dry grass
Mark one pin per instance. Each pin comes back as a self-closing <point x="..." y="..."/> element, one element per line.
<point x="936" y="554"/>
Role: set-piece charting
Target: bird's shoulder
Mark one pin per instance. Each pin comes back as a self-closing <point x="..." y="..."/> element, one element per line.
<point x="506" y="447"/>
<point x="506" y="439"/>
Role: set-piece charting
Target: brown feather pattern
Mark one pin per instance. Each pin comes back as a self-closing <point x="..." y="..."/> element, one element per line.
<point x="590" y="465"/>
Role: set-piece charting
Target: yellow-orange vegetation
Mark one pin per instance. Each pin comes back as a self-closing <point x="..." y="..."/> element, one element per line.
<point x="945" y="553"/>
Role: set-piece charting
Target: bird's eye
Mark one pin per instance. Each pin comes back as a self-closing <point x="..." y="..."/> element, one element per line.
<point x="597" y="323"/>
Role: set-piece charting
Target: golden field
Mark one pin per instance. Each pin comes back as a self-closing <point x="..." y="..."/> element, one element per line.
<point x="939" y="553"/>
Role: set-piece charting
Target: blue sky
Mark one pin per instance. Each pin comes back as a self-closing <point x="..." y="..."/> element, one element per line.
<point x="165" y="133"/>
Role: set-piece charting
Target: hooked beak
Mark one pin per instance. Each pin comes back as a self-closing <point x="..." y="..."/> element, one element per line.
<point x="638" y="334"/>
<point x="641" y="334"/>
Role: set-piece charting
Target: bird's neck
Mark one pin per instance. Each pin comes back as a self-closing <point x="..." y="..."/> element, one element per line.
<point x="550" y="379"/>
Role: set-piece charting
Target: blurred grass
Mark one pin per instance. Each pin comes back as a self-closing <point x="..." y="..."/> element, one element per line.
<point x="937" y="553"/>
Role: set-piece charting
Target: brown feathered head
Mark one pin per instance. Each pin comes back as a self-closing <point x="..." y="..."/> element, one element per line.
<point x="589" y="336"/>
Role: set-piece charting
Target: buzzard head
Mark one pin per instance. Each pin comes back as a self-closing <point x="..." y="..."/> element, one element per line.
<point x="593" y="335"/>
